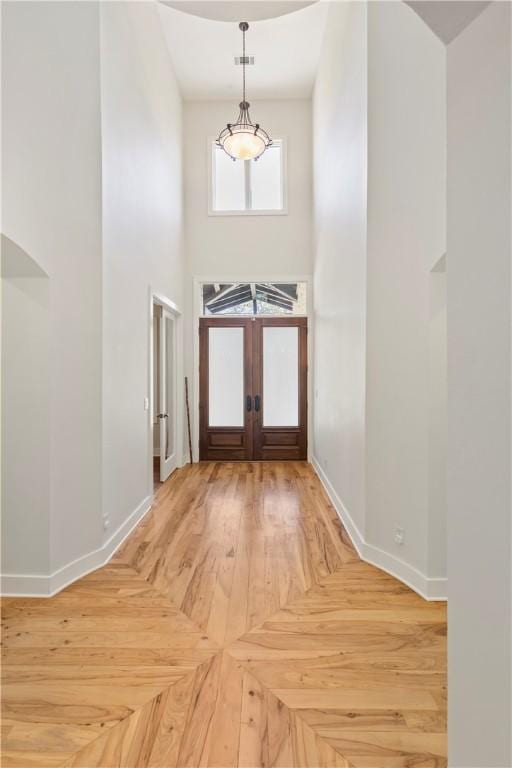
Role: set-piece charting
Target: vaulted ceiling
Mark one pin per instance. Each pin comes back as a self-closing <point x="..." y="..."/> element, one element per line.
<point x="286" y="48"/>
<point x="285" y="37"/>
<point x="235" y="10"/>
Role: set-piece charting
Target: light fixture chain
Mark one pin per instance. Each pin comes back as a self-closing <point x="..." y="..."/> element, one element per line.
<point x="243" y="63"/>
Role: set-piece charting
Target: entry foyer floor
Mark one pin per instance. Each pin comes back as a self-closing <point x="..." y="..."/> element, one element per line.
<point x="235" y="627"/>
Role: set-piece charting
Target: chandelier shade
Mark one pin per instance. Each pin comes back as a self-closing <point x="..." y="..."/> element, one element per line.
<point x="243" y="139"/>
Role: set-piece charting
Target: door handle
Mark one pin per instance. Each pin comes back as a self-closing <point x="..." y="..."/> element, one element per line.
<point x="162" y="416"/>
<point x="249" y="402"/>
<point x="256" y="402"/>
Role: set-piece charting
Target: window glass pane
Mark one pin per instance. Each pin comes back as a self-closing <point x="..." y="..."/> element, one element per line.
<point x="280" y="377"/>
<point x="244" y="308"/>
<point x="231" y="299"/>
<point x="266" y="181"/>
<point x="228" y="182"/>
<point x="226" y="377"/>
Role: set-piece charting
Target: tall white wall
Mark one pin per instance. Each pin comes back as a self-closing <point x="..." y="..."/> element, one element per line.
<point x="379" y="197"/>
<point x="142" y="235"/>
<point x="406" y="237"/>
<point x="92" y="202"/>
<point x="51" y="209"/>
<point x="340" y="170"/>
<point x="237" y="245"/>
<point x="437" y="418"/>
<point x="25" y="299"/>
<point x="479" y="391"/>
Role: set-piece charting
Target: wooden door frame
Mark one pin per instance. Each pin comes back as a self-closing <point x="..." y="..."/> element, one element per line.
<point x="197" y="313"/>
<point x="155" y="297"/>
<point x="168" y="464"/>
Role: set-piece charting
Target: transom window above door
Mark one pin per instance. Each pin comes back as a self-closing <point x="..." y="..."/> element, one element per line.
<point x="248" y="186"/>
<point x="254" y="299"/>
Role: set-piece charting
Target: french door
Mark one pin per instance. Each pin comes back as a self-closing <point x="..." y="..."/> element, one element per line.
<point x="253" y="389"/>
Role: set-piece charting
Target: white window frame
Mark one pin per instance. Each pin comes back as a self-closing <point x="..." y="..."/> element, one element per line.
<point x="211" y="186"/>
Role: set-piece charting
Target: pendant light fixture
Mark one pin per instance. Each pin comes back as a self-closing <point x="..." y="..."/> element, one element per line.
<point x="244" y="140"/>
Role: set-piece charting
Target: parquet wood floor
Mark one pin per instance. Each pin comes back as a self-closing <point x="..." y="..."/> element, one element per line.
<point x="235" y="627"/>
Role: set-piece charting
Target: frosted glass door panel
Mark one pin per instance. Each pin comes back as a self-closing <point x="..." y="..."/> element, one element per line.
<point x="281" y="377"/>
<point x="226" y="377"/>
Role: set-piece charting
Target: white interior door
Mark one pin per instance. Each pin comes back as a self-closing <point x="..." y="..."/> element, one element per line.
<point x="167" y="410"/>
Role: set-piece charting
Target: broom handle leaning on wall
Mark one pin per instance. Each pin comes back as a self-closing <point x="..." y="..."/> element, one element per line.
<point x="188" y="420"/>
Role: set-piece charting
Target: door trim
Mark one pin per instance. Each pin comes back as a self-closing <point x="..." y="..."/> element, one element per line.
<point x="197" y="315"/>
<point x="252" y="441"/>
<point x="155" y="297"/>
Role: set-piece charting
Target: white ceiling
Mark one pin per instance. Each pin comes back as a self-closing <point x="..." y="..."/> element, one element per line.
<point x="286" y="50"/>
<point x="237" y="10"/>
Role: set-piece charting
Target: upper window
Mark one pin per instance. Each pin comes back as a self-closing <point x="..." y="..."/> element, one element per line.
<point x="254" y="298"/>
<point x="248" y="186"/>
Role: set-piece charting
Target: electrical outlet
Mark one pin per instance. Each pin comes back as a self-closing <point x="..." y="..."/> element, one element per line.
<point x="106" y="522"/>
<point x="399" y="535"/>
<point x="146" y="403"/>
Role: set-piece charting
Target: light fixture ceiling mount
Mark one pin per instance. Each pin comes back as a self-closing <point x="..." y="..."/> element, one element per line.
<point x="243" y="139"/>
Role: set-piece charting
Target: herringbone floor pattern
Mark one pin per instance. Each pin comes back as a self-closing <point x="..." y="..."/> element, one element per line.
<point x="235" y="627"/>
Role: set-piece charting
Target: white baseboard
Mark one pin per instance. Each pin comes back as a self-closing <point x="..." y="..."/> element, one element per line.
<point x="428" y="588"/>
<point x="34" y="585"/>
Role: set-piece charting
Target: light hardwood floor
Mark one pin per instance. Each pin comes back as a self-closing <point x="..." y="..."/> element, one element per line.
<point x="235" y="627"/>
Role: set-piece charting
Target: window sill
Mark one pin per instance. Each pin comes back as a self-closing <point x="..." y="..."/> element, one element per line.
<point x="282" y="212"/>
